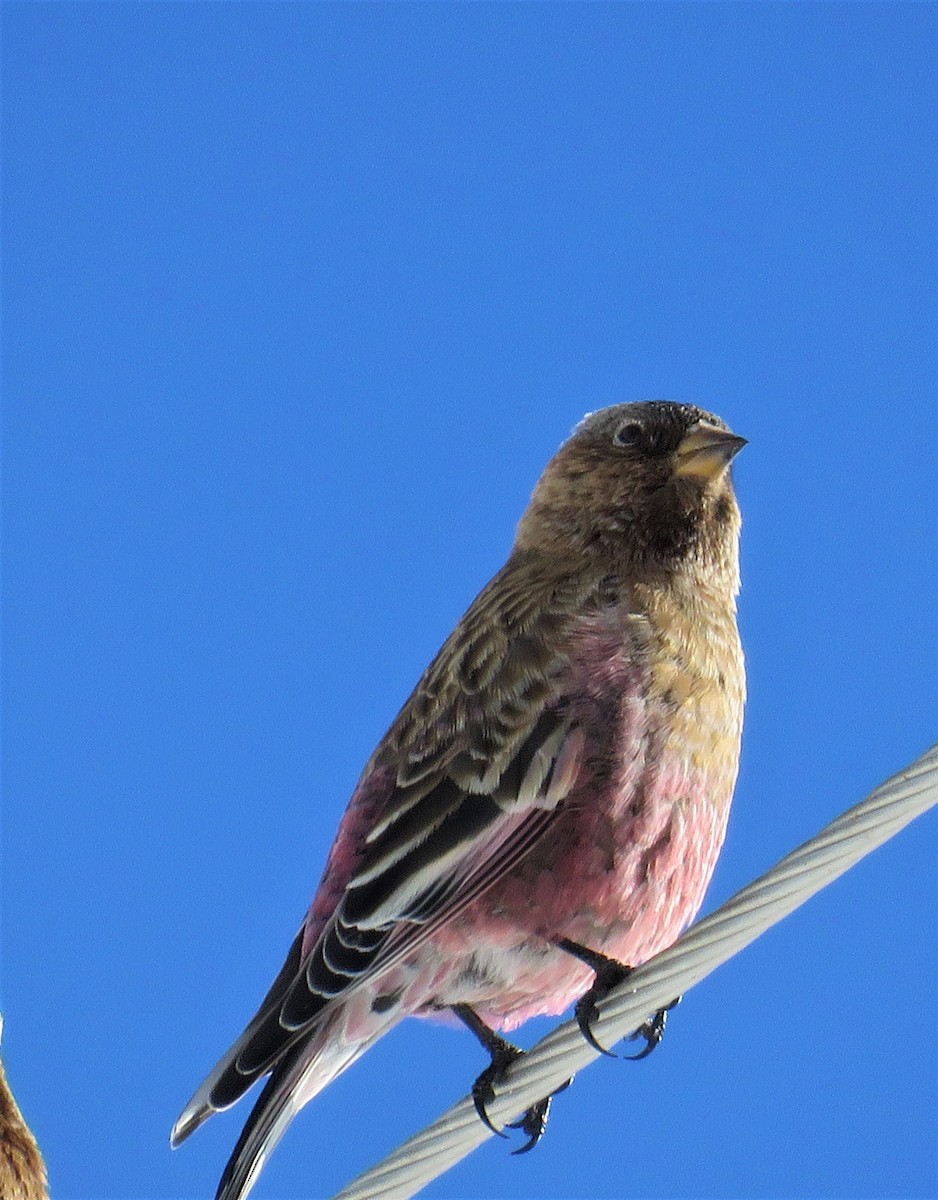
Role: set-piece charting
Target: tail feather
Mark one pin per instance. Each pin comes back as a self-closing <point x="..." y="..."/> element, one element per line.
<point x="311" y="1065"/>
<point x="225" y="1080"/>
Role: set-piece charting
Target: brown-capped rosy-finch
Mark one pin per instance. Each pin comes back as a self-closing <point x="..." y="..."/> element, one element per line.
<point x="550" y="803"/>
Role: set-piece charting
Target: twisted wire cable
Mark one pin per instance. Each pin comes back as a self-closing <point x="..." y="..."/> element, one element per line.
<point x="752" y="911"/>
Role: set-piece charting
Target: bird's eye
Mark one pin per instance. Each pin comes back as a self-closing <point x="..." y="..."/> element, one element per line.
<point x="629" y="434"/>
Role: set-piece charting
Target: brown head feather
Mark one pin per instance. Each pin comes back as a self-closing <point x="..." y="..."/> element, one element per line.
<point x="614" y="492"/>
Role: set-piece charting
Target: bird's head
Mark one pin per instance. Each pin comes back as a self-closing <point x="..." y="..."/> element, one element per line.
<point x="644" y="486"/>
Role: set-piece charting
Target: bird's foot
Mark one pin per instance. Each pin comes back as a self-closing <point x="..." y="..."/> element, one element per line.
<point x="533" y="1122"/>
<point x="652" y="1031"/>
<point x="609" y="974"/>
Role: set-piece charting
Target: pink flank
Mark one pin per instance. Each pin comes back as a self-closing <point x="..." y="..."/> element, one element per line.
<point x="368" y="799"/>
<point x="623" y="869"/>
<point x="621" y="883"/>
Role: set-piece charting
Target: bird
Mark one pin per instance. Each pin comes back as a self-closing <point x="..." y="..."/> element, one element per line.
<point x="22" y="1170"/>
<point x="547" y="809"/>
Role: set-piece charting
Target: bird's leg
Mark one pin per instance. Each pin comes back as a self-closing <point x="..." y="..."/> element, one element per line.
<point x="534" y="1121"/>
<point x="609" y="973"/>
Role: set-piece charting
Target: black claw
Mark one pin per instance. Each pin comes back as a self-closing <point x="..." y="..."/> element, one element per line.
<point x="585" y="1013"/>
<point x="652" y="1031"/>
<point x="609" y="974"/>
<point x="483" y="1090"/>
<point x="534" y="1121"/>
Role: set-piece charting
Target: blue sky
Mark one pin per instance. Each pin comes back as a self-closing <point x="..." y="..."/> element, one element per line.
<point x="299" y="299"/>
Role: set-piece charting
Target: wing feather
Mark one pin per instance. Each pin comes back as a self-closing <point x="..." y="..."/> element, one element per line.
<point x="476" y="764"/>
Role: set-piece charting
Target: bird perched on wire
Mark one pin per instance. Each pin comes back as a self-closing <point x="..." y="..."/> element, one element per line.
<point x="548" y="807"/>
<point x="22" y="1171"/>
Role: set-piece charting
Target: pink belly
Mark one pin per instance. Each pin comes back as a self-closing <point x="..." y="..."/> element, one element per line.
<point x="623" y="873"/>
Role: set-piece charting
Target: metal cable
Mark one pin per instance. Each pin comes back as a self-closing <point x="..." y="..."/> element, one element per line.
<point x="653" y="985"/>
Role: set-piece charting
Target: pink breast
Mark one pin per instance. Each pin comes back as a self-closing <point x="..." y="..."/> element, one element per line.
<point x="623" y="871"/>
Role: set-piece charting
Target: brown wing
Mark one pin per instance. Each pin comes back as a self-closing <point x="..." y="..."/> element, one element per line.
<point x="478" y="760"/>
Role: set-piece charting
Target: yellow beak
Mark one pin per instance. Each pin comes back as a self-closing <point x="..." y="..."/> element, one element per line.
<point x="706" y="451"/>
